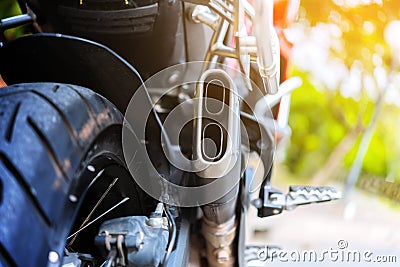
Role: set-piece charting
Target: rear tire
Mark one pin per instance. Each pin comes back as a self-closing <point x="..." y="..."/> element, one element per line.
<point x="54" y="140"/>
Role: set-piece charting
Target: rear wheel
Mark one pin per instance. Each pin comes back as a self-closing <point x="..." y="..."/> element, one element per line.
<point x="61" y="166"/>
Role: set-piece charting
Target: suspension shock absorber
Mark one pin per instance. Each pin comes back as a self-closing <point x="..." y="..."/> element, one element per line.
<point x="216" y="152"/>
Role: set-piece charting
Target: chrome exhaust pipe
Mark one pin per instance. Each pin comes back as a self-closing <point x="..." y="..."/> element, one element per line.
<point x="216" y="154"/>
<point x="216" y="148"/>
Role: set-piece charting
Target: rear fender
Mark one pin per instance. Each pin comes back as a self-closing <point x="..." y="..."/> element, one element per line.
<point x="66" y="59"/>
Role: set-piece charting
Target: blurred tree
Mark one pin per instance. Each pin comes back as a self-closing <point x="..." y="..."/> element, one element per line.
<point x="354" y="74"/>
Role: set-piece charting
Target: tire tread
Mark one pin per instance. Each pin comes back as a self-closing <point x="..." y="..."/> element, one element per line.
<point x="5" y="258"/>
<point x="24" y="127"/>
<point x="71" y="130"/>
<point x="11" y="123"/>
<point x="26" y="188"/>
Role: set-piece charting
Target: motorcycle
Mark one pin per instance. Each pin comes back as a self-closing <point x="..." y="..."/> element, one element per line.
<point x="127" y="128"/>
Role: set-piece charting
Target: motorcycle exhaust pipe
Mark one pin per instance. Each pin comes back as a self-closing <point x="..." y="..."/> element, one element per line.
<point x="216" y="153"/>
<point x="216" y="149"/>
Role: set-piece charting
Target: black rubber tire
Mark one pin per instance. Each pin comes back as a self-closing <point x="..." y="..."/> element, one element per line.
<point x="48" y="132"/>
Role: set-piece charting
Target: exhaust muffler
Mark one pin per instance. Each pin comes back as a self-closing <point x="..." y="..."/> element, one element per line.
<point x="216" y="155"/>
<point x="216" y="149"/>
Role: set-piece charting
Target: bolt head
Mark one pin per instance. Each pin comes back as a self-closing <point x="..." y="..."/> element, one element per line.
<point x="73" y="198"/>
<point x="53" y="257"/>
<point x="91" y="168"/>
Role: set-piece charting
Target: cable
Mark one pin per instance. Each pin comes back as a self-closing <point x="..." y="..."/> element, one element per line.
<point x="172" y="239"/>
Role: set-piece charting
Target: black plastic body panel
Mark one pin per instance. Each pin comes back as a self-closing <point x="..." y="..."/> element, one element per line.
<point x="66" y="59"/>
<point x="156" y="41"/>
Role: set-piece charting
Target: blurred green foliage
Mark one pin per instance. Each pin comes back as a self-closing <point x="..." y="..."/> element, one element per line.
<point x="322" y="118"/>
<point x="317" y="131"/>
<point x="10" y="8"/>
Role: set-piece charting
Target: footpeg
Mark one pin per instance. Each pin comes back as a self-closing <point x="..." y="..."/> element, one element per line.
<point x="273" y="202"/>
<point x="301" y="195"/>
